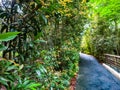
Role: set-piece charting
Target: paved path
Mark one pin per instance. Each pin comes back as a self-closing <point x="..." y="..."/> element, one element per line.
<point x="93" y="76"/>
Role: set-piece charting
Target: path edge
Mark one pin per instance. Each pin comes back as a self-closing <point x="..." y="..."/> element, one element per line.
<point x="115" y="73"/>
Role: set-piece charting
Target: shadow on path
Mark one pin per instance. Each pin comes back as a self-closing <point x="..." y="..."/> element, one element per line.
<point x="93" y="76"/>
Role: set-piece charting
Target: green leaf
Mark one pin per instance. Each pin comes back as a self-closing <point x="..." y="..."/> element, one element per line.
<point x="3" y="81"/>
<point x="21" y="67"/>
<point x="3" y="14"/>
<point x="2" y="47"/>
<point x="11" y="68"/>
<point x="38" y="36"/>
<point x="38" y="73"/>
<point x="31" y="85"/>
<point x="37" y="1"/>
<point x="26" y="82"/>
<point x="8" y="36"/>
<point x="40" y="41"/>
<point x="44" y="18"/>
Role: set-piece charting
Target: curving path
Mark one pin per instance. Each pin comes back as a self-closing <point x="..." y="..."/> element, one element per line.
<point x="93" y="76"/>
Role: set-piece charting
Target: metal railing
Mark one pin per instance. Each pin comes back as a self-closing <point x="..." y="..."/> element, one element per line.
<point x="113" y="61"/>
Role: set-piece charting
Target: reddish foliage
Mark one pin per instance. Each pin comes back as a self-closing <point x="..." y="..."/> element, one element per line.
<point x="73" y="82"/>
<point x="2" y="87"/>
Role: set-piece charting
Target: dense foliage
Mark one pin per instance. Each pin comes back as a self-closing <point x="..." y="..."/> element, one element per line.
<point x="102" y="29"/>
<point x="40" y="40"/>
<point x="41" y="43"/>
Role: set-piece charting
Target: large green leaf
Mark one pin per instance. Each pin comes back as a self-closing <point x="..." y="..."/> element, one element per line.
<point x="8" y="36"/>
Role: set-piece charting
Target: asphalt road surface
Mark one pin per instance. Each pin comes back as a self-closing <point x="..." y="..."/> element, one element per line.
<point x="93" y="76"/>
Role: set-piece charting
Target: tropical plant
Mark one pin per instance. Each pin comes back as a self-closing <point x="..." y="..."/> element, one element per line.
<point x="48" y="43"/>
